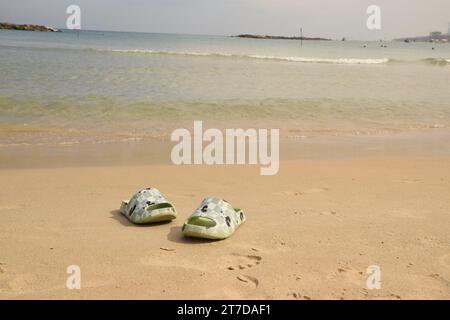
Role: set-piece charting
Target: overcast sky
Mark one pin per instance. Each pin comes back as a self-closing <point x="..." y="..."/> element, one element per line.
<point x="324" y="18"/>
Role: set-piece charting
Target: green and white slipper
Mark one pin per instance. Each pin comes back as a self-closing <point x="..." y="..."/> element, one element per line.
<point x="215" y="218"/>
<point x="148" y="206"/>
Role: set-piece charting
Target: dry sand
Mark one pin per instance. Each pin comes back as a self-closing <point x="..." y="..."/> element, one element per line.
<point x="311" y="232"/>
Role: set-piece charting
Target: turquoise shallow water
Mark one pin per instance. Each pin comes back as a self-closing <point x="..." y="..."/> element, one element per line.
<point x="65" y="86"/>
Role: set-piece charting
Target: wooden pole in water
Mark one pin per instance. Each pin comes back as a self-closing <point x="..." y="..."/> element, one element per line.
<point x="301" y="37"/>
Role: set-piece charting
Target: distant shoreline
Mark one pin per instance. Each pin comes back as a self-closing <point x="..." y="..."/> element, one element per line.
<point x="443" y="38"/>
<point x="26" y="27"/>
<point x="267" y="37"/>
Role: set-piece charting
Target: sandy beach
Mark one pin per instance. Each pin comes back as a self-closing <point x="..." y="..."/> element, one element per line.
<point x="312" y="232"/>
<point x="356" y="201"/>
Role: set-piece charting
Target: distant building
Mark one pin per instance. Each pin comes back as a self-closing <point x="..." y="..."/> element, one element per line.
<point x="435" y="34"/>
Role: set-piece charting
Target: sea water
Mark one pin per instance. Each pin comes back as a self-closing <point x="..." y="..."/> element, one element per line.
<point x="91" y="86"/>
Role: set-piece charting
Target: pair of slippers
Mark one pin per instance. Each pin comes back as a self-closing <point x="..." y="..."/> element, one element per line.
<point x="215" y="218"/>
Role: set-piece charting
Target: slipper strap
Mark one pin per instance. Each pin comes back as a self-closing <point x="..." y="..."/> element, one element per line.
<point x="220" y="211"/>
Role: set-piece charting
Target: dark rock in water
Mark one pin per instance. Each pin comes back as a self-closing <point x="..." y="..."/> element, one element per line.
<point x="252" y="36"/>
<point x="26" y="27"/>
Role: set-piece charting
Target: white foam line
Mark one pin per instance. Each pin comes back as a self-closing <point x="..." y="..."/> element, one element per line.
<point x="292" y="59"/>
<point x="324" y="60"/>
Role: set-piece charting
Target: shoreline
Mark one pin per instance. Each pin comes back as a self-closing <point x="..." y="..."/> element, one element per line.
<point x="296" y="146"/>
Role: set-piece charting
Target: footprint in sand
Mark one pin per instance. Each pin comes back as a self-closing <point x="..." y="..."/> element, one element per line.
<point x="242" y="262"/>
<point x="248" y="279"/>
<point x="347" y="275"/>
<point x="299" y="296"/>
<point x="441" y="279"/>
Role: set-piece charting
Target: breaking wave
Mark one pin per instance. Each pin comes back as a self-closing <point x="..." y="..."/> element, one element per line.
<point x="260" y="57"/>
<point x="437" y="61"/>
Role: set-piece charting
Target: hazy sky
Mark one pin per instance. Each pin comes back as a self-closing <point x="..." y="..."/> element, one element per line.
<point x="325" y="18"/>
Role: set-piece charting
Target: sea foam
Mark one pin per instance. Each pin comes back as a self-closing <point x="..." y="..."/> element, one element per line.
<point x="259" y="57"/>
